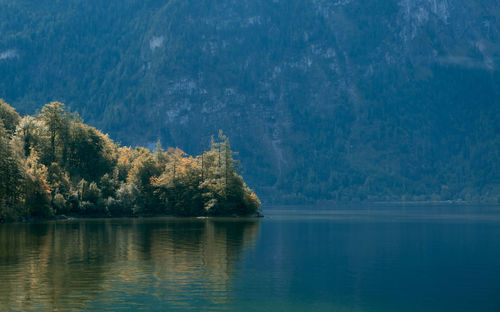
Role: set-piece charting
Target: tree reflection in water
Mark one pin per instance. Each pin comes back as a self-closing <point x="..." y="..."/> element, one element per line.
<point x="81" y="264"/>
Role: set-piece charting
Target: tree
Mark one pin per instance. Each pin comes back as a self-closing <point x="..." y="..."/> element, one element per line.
<point x="9" y="117"/>
<point x="60" y="185"/>
<point x="223" y="189"/>
<point x="37" y="189"/>
<point x="126" y="202"/>
<point x="178" y="187"/>
<point x="160" y="155"/>
<point x="10" y="177"/>
<point x="55" y="164"/>
<point x="91" y="153"/>
<point x="57" y="122"/>
<point x="108" y="184"/>
<point x="31" y="132"/>
<point x="144" y="169"/>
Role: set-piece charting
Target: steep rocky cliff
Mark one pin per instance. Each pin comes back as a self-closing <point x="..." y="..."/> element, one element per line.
<point x="324" y="99"/>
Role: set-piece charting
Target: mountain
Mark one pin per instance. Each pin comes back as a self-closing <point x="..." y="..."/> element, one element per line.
<point x="324" y="99"/>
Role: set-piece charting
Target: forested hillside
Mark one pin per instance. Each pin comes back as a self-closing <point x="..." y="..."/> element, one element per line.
<point x="325" y="100"/>
<point x="53" y="164"/>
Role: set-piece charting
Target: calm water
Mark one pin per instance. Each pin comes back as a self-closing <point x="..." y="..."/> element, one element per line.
<point x="358" y="259"/>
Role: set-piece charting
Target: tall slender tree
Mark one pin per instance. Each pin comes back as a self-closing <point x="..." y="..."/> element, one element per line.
<point x="53" y="114"/>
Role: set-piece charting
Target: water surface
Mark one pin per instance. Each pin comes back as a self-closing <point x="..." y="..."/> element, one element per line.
<point x="377" y="258"/>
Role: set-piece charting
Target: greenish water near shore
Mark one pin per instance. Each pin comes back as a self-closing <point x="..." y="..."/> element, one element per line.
<point x="384" y="258"/>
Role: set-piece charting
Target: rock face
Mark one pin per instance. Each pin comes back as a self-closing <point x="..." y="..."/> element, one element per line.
<point x="324" y="99"/>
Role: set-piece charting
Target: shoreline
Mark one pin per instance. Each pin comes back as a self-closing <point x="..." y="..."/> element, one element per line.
<point x="381" y="204"/>
<point x="71" y="218"/>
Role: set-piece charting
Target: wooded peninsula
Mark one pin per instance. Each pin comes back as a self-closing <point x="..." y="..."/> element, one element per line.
<point x="52" y="164"/>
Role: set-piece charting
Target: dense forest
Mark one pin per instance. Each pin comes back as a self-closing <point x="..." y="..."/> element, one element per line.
<point x="394" y="100"/>
<point x="53" y="164"/>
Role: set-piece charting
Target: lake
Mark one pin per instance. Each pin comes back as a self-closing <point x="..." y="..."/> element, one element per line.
<point x="359" y="258"/>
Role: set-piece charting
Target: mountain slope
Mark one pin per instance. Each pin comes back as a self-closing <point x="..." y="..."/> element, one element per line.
<point x="329" y="100"/>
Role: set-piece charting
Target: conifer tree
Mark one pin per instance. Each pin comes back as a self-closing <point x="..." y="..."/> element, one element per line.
<point x="53" y="164"/>
<point x="58" y="127"/>
<point x="10" y="176"/>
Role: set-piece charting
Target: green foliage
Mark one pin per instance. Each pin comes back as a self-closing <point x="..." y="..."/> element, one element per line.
<point x="53" y="164"/>
<point x="10" y="177"/>
<point x="57" y="124"/>
<point x="91" y="153"/>
<point x="108" y="185"/>
<point x="37" y="190"/>
<point x="9" y="117"/>
<point x="206" y="185"/>
<point x="125" y="202"/>
<point x="325" y="100"/>
<point x="59" y="204"/>
<point x="31" y="132"/>
<point x="144" y="169"/>
<point x="178" y="187"/>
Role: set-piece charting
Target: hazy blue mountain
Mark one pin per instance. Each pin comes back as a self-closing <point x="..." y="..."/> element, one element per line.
<point x="324" y="99"/>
